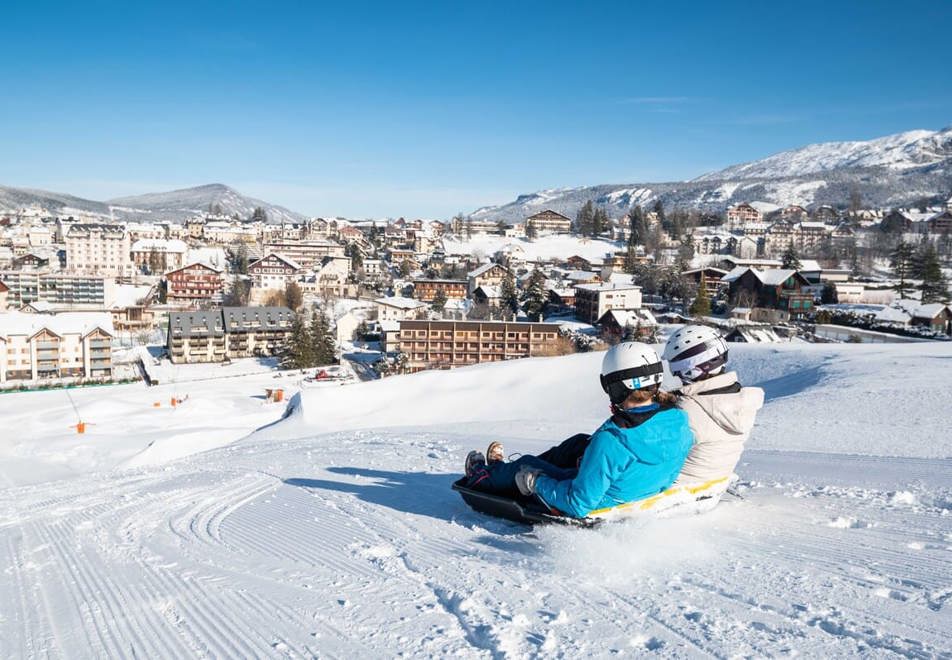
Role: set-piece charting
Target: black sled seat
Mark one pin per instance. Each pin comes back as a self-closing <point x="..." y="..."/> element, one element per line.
<point x="524" y="510"/>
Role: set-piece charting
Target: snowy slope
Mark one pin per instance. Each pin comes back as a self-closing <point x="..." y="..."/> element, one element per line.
<point x="334" y="532"/>
<point x="177" y="205"/>
<point x="544" y="247"/>
<point x="900" y="151"/>
<point x="896" y="170"/>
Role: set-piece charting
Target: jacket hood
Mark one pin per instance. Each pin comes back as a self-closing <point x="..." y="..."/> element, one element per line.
<point x="665" y="437"/>
<point x="733" y="412"/>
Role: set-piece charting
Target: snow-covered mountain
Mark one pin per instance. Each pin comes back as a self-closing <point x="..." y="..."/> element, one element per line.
<point x="175" y="205"/>
<point x="896" y="170"/>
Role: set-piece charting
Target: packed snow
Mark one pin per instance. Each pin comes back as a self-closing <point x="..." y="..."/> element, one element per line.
<point x="327" y="527"/>
<point x="551" y="246"/>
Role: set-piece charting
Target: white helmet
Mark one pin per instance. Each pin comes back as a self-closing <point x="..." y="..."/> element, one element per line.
<point x="695" y="351"/>
<point x="630" y="366"/>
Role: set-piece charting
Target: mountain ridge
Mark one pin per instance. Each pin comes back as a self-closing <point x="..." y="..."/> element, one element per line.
<point x="894" y="170"/>
<point x="173" y="205"/>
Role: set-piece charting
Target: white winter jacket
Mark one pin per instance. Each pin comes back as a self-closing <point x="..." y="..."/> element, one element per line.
<point x="721" y="415"/>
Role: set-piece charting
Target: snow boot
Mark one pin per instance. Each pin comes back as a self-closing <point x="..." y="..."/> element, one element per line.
<point x="475" y="461"/>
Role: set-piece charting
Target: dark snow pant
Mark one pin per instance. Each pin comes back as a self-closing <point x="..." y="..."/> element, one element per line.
<point x="559" y="462"/>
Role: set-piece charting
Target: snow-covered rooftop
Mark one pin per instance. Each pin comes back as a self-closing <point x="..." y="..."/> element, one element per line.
<point x="400" y="302"/>
<point x="82" y="323"/>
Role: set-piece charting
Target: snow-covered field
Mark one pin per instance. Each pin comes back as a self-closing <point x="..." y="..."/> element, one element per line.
<point x="333" y="532"/>
<point x="551" y="246"/>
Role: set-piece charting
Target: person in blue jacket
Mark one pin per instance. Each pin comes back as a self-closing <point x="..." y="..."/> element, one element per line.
<point x="638" y="452"/>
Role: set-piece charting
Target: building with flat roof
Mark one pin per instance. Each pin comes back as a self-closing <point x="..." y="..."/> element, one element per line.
<point x="448" y="344"/>
<point x="593" y="300"/>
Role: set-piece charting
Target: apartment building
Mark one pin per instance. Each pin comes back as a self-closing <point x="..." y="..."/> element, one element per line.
<point x="398" y="308"/>
<point x="425" y="289"/>
<point x="157" y="255"/>
<point x="37" y="347"/>
<point x="4" y="296"/>
<point x="306" y="253"/>
<point x="59" y="288"/>
<point x="448" y="344"/>
<point x="228" y="333"/>
<point x="194" y="284"/>
<point x="549" y="222"/>
<point x="593" y="300"/>
<point x="742" y="214"/>
<point x="98" y="249"/>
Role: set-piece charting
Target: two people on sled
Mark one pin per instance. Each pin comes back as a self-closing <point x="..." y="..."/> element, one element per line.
<point x="692" y="437"/>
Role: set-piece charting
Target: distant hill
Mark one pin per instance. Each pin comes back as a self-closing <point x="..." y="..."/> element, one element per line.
<point x="898" y="170"/>
<point x="174" y="206"/>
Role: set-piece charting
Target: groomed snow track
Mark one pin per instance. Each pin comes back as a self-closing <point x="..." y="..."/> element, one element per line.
<point x="353" y="545"/>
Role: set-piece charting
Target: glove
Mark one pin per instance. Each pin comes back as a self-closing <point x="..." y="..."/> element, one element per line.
<point x="526" y="480"/>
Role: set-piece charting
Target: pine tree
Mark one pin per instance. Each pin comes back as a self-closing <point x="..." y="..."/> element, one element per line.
<point x="935" y="286"/>
<point x="241" y="259"/>
<point x="535" y="297"/>
<point x="600" y="222"/>
<point x="323" y="345"/>
<point x="405" y="268"/>
<point x="259" y="215"/>
<point x="509" y="296"/>
<point x="790" y="259"/>
<point x="299" y="354"/>
<point x="900" y="260"/>
<point x="585" y="219"/>
<point x="638" y="225"/>
<point x="531" y="231"/>
<point x="439" y="300"/>
<point x="702" y="303"/>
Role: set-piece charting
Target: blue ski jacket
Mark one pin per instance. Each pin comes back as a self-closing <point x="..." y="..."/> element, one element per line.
<point x="622" y="464"/>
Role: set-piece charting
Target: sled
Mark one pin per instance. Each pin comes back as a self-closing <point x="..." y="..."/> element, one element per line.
<point x="524" y="510"/>
<point x="677" y="500"/>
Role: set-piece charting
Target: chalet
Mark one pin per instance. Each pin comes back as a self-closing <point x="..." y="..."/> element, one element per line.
<point x="562" y="298"/>
<point x="31" y="260"/>
<point x="826" y="214"/>
<point x="425" y="289"/>
<point x="487" y="294"/>
<point x="713" y="277"/>
<point x="776" y="289"/>
<point x="491" y="274"/>
<point x="935" y="316"/>
<point x="940" y="223"/>
<point x="576" y="262"/>
<point x="635" y="323"/>
<point x="194" y="284"/>
<point x="793" y="212"/>
<point x="273" y="271"/>
<point x="549" y="222"/>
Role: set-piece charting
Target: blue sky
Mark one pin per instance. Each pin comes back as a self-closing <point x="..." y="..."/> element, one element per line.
<point x="419" y="109"/>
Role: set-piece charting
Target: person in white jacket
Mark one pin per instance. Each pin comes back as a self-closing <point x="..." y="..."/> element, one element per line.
<point x="720" y="411"/>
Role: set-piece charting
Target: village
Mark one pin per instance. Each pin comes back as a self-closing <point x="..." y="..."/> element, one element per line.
<point x="85" y="300"/>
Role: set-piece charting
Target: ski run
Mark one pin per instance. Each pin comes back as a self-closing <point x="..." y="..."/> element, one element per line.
<point x="229" y="527"/>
